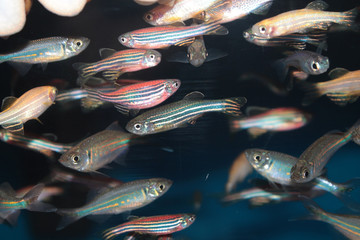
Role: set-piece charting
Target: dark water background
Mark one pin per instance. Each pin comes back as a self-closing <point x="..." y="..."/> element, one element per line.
<point x="202" y="153"/>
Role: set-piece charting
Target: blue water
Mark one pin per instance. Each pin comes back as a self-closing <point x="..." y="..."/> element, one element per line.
<point x="203" y="153"/>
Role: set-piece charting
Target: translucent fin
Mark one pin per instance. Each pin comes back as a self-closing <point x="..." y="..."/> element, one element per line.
<point x="16" y="128"/>
<point x="13" y="217"/>
<point x="34" y="193"/>
<point x="185" y="42"/>
<point x="6" y="188"/>
<point x="214" y="54"/>
<point x="7" y="102"/>
<point x="350" y="16"/>
<point x="180" y="57"/>
<point x="114" y="126"/>
<point x="44" y="66"/>
<point x="106" y="52"/>
<point x="194" y="96"/>
<point x="344" y="193"/>
<point x="263" y="9"/>
<point x="21" y="68"/>
<point x="233" y="105"/>
<point x="219" y="30"/>
<point x="338" y="72"/>
<point x="83" y="69"/>
<point x="111" y="75"/>
<point x="41" y="207"/>
<point x="122" y="109"/>
<point x="311" y="92"/>
<point x="317" y="5"/>
<point x="256" y="132"/>
<point x="90" y="103"/>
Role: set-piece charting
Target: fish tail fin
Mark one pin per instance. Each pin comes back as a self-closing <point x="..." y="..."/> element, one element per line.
<point x="235" y="125"/>
<point x="344" y="193"/>
<point x="85" y="70"/>
<point x="34" y="204"/>
<point x="215" y="29"/>
<point x="232" y="106"/>
<point x="312" y="92"/>
<point x="92" y="101"/>
<point x="350" y="16"/>
<point x="68" y="217"/>
<point x="316" y="211"/>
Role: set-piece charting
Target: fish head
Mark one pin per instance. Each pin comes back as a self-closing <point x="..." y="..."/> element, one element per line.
<point x="157" y="187"/>
<point x="301" y="172"/>
<point x="262" y="30"/>
<point x="155" y="16"/>
<point x="187" y="220"/>
<point x="76" y="45"/>
<point x="140" y="127"/>
<point x="172" y="85"/>
<point x="196" y="53"/>
<point x="260" y="159"/>
<point x="316" y="64"/>
<point x="76" y="159"/>
<point x="151" y="58"/>
<point x="127" y="40"/>
<point x="52" y="93"/>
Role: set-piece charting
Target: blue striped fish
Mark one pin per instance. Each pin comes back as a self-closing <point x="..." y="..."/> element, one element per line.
<point x="165" y="36"/>
<point x="116" y="63"/>
<point x="181" y="113"/>
<point x="42" y="145"/>
<point x="155" y="225"/>
<point x="125" y="197"/>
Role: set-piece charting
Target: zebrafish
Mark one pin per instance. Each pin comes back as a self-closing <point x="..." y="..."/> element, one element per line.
<point x="30" y="105"/>
<point x="343" y="88"/>
<point x="261" y="120"/>
<point x="115" y="63"/>
<point x="156" y="225"/>
<point x="239" y="170"/>
<point x="39" y="144"/>
<point x="46" y="193"/>
<point x="11" y="203"/>
<point x="313" y="17"/>
<point x="125" y="197"/>
<point x="162" y="37"/>
<point x="98" y="150"/>
<point x="45" y="50"/>
<point x="134" y="97"/>
<point x="181" y="113"/>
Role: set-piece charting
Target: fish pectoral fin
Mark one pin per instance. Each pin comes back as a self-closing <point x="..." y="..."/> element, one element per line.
<point x="122" y="109"/>
<point x="134" y="112"/>
<point x="106" y="52"/>
<point x="338" y="72"/>
<point x="21" y="68"/>
<point x="185" y="42"/>
<point x="37" y="119"/>
<point x="262" y="10"/>
<point x="180" y="57"/>
<point x="194" y="96"/>
<point x="111" y="75"/>
<point x="7" y="102"/>
<point x="256" y="132"/>
<point x="317" y="5"/>
<point x="16" y="128"/>
<point x="44" y="66"/>
<point x="340" y="99"/>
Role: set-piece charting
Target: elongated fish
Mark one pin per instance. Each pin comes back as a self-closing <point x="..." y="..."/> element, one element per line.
<point x="313" y="17"/>
<point x="162" y="37"/>
<point x="46" y="50"/>
<point x="126" y="197"/>
<point x="17" y="111"/>
<point x="40" y="144"/>
<point x="98" y="150"/>
<point x="343" y="88"/>
<point x="239" y="170"/>
<point x="155" y="225"/>
<point x="181" y="113"/>
<point x="261" y="120"/>
<point x="134" y="97"/>
<point x="11" y="204"/>
<point x="176" y="11"/>
<point x="115" y="63"/>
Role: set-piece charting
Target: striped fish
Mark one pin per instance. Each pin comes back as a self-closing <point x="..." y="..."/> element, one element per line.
<point x="261" y="120"/>
<point x="126" y="197"/>
<point x="98" y="150"/>
<point x="156" y="225"/>
<point x="115" y="63"/>
<point x="10" y="203"/>
<point x="42" y="145"/>
<point x="162" y="37"/>
<point x="46" y="50"/>
<point x="181" y="113"/>
<point x="17" y="111"/>
<point x="313" y="17"/>
<point x="348" y="225"/>
<point x="343" y="88"/>
<point x="134" y="96"/>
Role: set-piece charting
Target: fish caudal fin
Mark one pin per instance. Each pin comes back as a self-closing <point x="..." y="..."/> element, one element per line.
<point x="232" y="105"/>
<point x="215" y="29"/>
<point x="344" y="193"/>
<point x="34" y="204"/>
<point x="84" y="70"/>
<point x="313" y="208"/>
<point x="311" y="92"/>
<point x="349" y="17"/>
<point x="92" y="101"/>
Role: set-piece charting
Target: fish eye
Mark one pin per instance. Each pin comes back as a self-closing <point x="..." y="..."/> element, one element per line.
<point x="191" y="219"/>
<point x="175" y="84"/>
<point x="78" y="43"/>
<point x="262" y="29"/>
<point x="149" y="17"/>
<point x="246" y="34"/>
<point x="75" y="159"/>
<point x="152" y="56"/>
<point x="123" y="39"/>
<point x="137" y="126"/>
<point x="305" y="173"/>
<point x="161" y="187"/>
<point x="257" y="158"/>
<point x="315" y="66"/>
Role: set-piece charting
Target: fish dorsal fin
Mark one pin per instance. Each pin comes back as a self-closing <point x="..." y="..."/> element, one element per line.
<point x="132" y="218"/>
<point x="114" y="126"/>
<point x="338" y="72"/>
<point x="106" y="52"/>
<point x="6" y="188"/>
<point x="254" y="110"/>
<point x="7" y="102"/>
<point x="317" y="5"/>
<point x="194" y="96"/>
<point x="263" y="9"/>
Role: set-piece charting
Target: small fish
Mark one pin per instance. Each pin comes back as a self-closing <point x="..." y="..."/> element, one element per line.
<point x="115" y="63"/>
<point x="348" y="225"/>
<point x="134" y="97"/>
<point x="45" y="50"/>
<point x="313" y="17"/>
<point x="174" y="11"/>
<point x="229" y="10"/>
<point x="46" y="193"/>
<point x="162" y="37"/>
<point x="123" y="198"/>
<point x="181" y="113"/>
<point x="261" y="120"/>
<point x="39" y="144"/>
<point x="156" y="225"/>
<point x="312" y="161"/>
<point x="98" y="150"/>
<point x="239" y="170"/>
<point x="343" y="88"/>
<point x="11" y="204"/>
<point x="30" y="105"/>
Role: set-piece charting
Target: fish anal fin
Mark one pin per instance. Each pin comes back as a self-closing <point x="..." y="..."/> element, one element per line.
<point x="256" y="132"/>
<point x="338" y="72"/>
<point x="340" y="99"/>
<point x="16" y="128"/>
<point x="122" y="109"/>
<point x="7" y="102"/>
<point x="21" y="68"/>
<point x="90" y="103"/>
<point x="185" y="42"/>
<point x="194" y="96"/>
<point x="317" y="5"/>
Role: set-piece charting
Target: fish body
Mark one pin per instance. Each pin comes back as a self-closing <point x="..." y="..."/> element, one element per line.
<point x="116" y="63"/>
<point x="30" y="105"/>
<point x="155" y="225"/>
<point x="42" y="145"/>
<point x="165" y="36"/>
<point x="181" y="113"/>
<point x="239" y="170"/>
<point x="176" y="11"/>
<point x="137" y="96"/>
<point x="313" y="17"/>
<point x="125" y="197"/>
